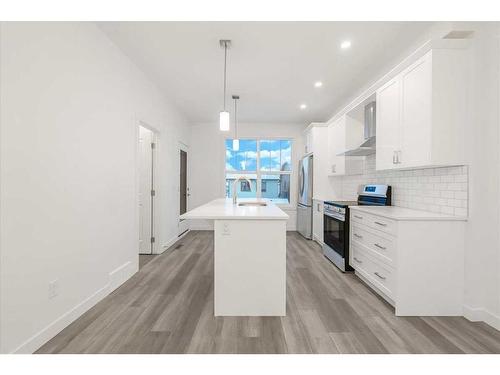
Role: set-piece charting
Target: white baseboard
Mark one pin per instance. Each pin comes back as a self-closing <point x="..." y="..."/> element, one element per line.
<point x="119" y="275"/>
<point x="172" y="241"/>
<point x="116" y="278"/>
<point x="317" y="240"/>
<point x="482" y="315"/>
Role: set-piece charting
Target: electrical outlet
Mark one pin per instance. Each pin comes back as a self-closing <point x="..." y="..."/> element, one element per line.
<point x="225" y="230"/>
<point x="53" y="288"/>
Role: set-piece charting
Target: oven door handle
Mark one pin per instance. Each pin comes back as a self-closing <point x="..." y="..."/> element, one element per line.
<point x="333" y="216"/>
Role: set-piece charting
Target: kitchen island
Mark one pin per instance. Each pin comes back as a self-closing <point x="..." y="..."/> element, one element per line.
<point x="249" y="256"/>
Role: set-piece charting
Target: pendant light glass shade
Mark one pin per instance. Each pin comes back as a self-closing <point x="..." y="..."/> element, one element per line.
<point x="224" y="121"/>
<point x="236" y="144"/>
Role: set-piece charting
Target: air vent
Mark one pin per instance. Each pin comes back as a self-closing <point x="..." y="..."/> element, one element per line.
<point x="459" y="34"/>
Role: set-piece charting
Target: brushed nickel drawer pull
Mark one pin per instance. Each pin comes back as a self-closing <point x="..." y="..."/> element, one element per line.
<point x="357" y="235"/>
<point x="379" y="223"/>
<point x="379" y="246"/>
<point x="379" y="276"/>
<point x="357" y="260"/>
<point x="358" y="217"/>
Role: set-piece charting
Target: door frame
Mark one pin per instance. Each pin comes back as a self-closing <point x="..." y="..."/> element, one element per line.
<point x="183" y="147"/>
<point x="155" y="203"/>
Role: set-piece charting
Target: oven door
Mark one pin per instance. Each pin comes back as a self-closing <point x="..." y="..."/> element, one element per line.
<point x="334" y="233"/>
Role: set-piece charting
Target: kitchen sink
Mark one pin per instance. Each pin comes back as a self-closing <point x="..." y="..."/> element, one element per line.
<point x="259" y="204"/>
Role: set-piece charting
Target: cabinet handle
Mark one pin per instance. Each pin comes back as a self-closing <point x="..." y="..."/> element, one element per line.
<point x="399" y="156"/>
<point x="357" y="235"/>
<point x="379" y="276"/>
<point x="379" y="223"/>
<point x="394" y="157"/>
<point x="379" y="246"/>
<point x="358" y="217"/>
<point x="357" y="260"/>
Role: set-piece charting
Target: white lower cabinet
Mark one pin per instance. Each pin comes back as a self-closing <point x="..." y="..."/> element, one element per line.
<point x="318" y="221"/>
<point x="415" y="264"/>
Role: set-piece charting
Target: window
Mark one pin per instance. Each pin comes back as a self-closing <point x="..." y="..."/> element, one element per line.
<point x="266" y="163"/>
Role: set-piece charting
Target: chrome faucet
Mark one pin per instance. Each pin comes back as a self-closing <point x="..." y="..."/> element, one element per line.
<point x="234" y="186"/>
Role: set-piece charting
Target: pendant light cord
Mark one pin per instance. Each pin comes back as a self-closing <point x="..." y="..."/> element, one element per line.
<point x="225" y="60"/>
<point x="235" y="119"/>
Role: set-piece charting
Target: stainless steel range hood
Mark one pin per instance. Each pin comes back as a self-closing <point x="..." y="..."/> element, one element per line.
<point x="367" y="147"/>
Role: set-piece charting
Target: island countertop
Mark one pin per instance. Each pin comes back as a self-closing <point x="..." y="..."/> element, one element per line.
<point x="223" y="209"/>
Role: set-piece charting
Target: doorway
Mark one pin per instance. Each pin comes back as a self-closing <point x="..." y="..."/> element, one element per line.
<point x="146" y="199"/>
<point x="183" y="188"/>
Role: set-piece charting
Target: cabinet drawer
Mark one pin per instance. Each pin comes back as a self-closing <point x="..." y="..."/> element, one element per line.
<point x="376" y="272"/>
<point x="381" y="247"/>
<point x="359" y="261"/>
<point x="373" y="221"/>
<point x="383" y="278"/>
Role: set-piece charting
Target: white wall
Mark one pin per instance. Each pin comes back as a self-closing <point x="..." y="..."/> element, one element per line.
<point x="70" y="104"/>
<point x="207" y="162"/>
<point x="482" y="258"/>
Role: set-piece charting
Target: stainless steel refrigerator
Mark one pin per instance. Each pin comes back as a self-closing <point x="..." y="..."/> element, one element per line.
<point x="304" y="206"/>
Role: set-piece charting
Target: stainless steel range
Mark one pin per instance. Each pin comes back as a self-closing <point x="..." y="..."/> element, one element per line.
<point x="336" y="222"/>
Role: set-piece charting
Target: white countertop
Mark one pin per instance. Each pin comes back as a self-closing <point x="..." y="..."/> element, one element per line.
<point x="401" y="213"/>
<point x="223" y="209"/>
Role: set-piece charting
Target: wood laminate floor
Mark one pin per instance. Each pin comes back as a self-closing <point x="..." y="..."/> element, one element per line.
<point x="167" y="307"/>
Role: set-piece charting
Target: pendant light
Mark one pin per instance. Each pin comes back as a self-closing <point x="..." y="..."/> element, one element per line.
<point x="236" y="141"/>
<point x="224" y="115"/>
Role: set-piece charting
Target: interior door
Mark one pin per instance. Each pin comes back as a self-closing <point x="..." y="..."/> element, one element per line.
<point x="183" y="189"/>
<point x="388" y="124"/>
<point x="145" y="199"/>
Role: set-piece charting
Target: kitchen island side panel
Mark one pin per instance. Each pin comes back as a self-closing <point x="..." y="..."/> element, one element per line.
<point x="250" y="268"/>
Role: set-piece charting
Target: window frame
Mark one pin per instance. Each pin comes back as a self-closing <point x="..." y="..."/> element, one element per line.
<point x="258" y="173"/>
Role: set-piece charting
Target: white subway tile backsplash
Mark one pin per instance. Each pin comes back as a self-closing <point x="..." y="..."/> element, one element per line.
<point x="443" y="189"/>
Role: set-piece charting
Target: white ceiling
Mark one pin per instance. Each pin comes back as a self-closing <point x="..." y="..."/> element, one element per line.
<point x="271" y="65"/>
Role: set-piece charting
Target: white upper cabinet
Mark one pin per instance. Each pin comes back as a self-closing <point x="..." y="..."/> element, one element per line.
<point x="336" y="145"/>
<point x="388" y="124"/>
<point x="309" y="142"/>
<point x="421" y="113"/>
<point x="344" y="133"/>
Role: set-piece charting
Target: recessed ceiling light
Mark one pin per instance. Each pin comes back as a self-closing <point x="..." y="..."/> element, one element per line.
<point x="303" y="106"/>
<point x="318" y="84"/>
<point x="345" y="44"/>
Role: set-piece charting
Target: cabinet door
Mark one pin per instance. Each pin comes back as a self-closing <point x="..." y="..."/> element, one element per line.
<point x="318" y="221"/>
<point x="416" y="114"/>
<point x="336" y="144"/>
<point x="388" y="124"/>
<point x="308" y="145"/>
